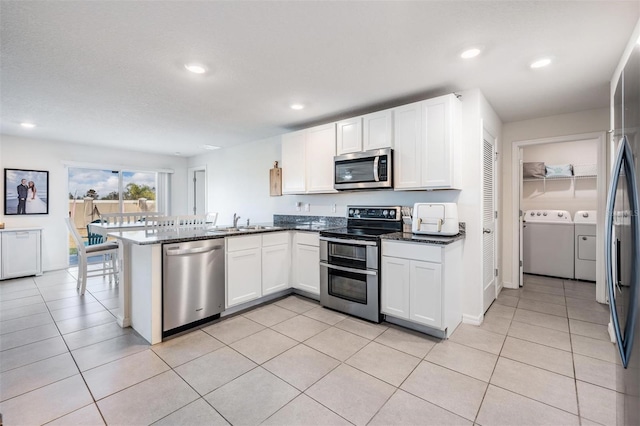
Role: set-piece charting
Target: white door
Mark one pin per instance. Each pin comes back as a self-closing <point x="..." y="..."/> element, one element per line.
<point x="425" y="302"/>
<point x="321" y="148"/>
<point x="520" y="222"/>
<point x="489" y="271"/>
<point x="275" y="268"/>
<point x="244" y="276"/>
<point x="407" y="139"/>
<point x="377" y="130"/>
<point x="293" y="163"/>
<point x="308" y="268"/>
<point x="395" y="286"/>
<point x="349" y="137"/>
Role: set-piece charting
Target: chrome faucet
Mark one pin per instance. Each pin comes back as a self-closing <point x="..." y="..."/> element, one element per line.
<point x="235" y="220"/>
<point x="248" y="220"/>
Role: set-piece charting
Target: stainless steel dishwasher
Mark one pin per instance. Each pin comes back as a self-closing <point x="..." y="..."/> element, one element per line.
<point x="192" y="283"/>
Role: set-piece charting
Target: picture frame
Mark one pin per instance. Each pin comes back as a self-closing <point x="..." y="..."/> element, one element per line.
<point x="35" y="192"/>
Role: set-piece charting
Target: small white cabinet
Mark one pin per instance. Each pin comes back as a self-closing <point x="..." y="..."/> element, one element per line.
<point x="370" y="131"/>
<point x="307" y="262"/>
<point x="257" y="265"/>
<point x="307" y="160"/>
<point x="21" y="253"/>
<point x="421" y="283"/>
<point x="424" y="137"/>
<point x="349" y="136"/>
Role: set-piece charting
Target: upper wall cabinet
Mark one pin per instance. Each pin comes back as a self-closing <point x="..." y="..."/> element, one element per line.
<point x="371" y="131"/>
<point x="424" y="139"/>
<point x="307" y="160"/>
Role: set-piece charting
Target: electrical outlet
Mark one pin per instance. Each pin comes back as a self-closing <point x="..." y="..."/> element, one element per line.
<point x="298" y="205"/>
<point x="333" y="208"/>
<point x="307" y="207"/>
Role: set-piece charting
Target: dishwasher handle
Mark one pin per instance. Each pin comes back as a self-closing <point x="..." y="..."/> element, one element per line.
<point x="175" y="251"/>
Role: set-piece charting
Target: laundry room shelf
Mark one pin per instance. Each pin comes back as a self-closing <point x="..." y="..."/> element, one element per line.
<point x="572" y="179"/>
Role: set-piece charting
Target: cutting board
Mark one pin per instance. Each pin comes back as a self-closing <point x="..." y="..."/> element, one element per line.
<point x="275" y="181"/>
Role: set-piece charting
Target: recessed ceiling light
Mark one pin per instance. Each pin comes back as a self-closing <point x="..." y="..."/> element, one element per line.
<point x="540" y="63"/>
<point x="470" y="53"/>
<point x="297" y="106"/>
<point x="210" y="147"/>
<point x="196" y="68"/>
<point x="28" y="125"/>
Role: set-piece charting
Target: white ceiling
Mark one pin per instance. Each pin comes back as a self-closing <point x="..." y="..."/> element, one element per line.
<point x="111" y="73"/>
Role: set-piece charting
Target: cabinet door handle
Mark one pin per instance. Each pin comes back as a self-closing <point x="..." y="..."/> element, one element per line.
<point x="584" y="238"/>
<point x="22" y="234"/>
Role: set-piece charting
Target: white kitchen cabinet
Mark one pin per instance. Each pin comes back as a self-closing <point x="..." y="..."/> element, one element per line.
<point x="307" y="160"/>
<point x="244" y="269"/>
<point x="307" y="262"/>
<point x="425" y="294"/>
<point x="293" y="163"/>
<point x="424" y="138"/>
<point x="421" y="284"/>
<point x="21" y="253"/>
<point x="276" y="261"/>
<point x="320" y="150"/>
<point x="349" y="136"/>
<point x="396" y="274"/>
<point x="377" y="130"/>
<point x="364" y="133"/>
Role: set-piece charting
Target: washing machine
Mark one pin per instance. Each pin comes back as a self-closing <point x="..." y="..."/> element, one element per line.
<point x="548" y="243"/>
<point x="585" y="245"/>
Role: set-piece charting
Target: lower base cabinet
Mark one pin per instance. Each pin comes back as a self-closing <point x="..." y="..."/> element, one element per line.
<point x="307" y="262"/>
<point x="20" y="253"/>
<point x="420" y="283"/>
<point x="244" y="276"/>
<point x="257" y="265"/>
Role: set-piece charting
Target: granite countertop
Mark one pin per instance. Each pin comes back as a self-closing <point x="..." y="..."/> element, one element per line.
<point x="423" y="239"/>
<point x="183" y="235"/>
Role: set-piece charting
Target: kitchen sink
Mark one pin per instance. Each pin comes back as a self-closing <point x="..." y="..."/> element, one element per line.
<point x="240" y="229"/>
<point x="257" y="228"/>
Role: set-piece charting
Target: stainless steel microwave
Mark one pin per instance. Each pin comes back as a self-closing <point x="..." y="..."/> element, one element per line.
<point x="364" y="170"/>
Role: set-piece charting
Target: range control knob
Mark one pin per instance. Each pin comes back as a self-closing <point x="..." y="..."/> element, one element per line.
<point x="560" y="214"/>
<point x="392" y="213"/>
<point x="538" y="214"/>
<point x="544" y="214"/>
<point x="350" y="212"/>
<point x="385" y="213"/>
<point x="357" y="212"/>
<point x="585" y="214"/>
<point x="533" y="214"/>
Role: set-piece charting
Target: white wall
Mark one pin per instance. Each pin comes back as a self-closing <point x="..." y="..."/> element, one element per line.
<point x="561" y="194"/>
<point x="25" y="153"/>
<point x="558" y="125"/>
<point x="238" y="182"/>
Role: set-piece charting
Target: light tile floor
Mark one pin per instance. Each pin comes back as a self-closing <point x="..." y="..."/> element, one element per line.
<point x="542" y="356"/>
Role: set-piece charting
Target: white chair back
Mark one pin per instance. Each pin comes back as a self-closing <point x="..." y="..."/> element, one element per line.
<point x="193" y="221"/>
<point x="127" y="218"/>
<point x="212" y="218"/>
<point x="77" y="239"/>
<point x="161" y="224"/>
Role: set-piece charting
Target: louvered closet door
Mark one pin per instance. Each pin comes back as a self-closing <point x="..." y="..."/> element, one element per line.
<point x="488" y="221"/>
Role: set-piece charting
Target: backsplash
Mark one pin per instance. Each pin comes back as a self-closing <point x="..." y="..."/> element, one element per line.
<point x="281" y="219"/>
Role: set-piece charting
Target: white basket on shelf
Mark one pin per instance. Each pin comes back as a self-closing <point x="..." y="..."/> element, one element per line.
<point x="585" y="169"/>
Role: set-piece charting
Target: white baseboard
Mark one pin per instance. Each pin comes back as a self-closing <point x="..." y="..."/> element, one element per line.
<point x="507" y="284"/>
<point x="472" y="319"/>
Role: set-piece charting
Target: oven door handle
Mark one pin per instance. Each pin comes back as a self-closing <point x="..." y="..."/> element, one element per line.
<point x="345" y="241"/>
<point x="355" y="271"/>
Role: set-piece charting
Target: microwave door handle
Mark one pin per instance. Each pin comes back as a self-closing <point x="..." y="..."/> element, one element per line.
<point x="376" y="177"/>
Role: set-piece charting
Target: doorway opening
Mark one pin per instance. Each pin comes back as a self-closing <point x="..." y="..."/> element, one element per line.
<point x="551" y="199"/>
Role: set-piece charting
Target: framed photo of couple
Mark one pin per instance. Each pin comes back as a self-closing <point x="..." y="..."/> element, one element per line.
<point x="26" y="192"/>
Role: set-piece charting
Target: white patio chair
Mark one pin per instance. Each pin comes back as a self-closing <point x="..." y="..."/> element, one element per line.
<point x="108" y="249"/>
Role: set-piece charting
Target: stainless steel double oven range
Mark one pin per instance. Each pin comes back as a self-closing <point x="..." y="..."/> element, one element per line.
<point x="350" y="259"/>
